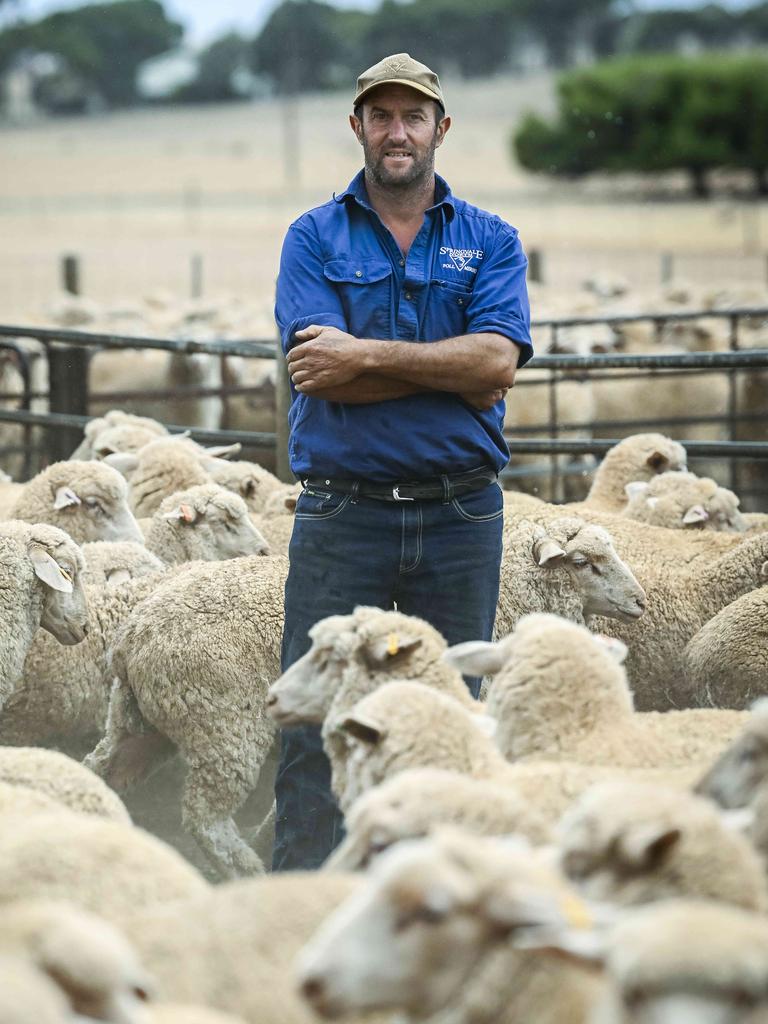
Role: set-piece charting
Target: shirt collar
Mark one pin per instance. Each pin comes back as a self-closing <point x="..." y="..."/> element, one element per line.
<point x="357" y="191"/>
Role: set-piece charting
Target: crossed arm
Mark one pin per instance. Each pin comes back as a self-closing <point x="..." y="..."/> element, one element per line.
<point x="335" y="366"/>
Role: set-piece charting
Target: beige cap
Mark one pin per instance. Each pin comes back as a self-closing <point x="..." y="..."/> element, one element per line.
<point x="400" y="69"/>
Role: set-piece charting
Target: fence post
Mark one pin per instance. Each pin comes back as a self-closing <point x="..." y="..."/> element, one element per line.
<point x="282" y="405"/>
<point x="667" y="267"/>
<point x="196" y="276"/>
<point x="535" y="266"/>
<point x="68" y="376"/>
<point x="70" y="274"/>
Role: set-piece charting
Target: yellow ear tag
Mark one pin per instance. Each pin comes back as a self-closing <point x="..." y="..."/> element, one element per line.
<point x="576" y="912"/>
<point x="393" y="644"/>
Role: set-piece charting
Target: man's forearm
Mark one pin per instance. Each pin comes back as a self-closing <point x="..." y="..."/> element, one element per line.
<point x="369" y="387"/>
<point x="472" y="362"/>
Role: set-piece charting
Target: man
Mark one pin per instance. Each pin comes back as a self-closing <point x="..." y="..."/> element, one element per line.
<point x="403" y="313"/>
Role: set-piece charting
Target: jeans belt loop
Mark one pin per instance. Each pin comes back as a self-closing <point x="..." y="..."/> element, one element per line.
<point x="447" y="489"/>
<point x="355" y="488"/>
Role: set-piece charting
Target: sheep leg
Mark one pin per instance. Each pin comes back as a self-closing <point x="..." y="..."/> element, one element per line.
<point x="213" y="791"/>
<point x="130" y="746"/>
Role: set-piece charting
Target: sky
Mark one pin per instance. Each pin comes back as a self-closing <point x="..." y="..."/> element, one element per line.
<point x="205" y="20"/>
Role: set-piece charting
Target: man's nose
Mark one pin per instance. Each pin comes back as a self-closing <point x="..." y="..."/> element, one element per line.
<point x="397" y="130"/>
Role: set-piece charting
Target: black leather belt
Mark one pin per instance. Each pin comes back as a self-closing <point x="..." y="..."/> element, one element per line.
<point x="438" y="488"/>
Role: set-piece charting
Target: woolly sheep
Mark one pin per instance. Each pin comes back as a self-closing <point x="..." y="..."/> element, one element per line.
<point x="638" y="457"/>
<point x="63" y="694"/>
<point x="232" y="947"/>
<point x="680" y="501"/>
<point x="412" y="803"/>
<point x="431" y="918"/>
<point x="568" y="567"/>
<point x="204" y="523"/>
<point x="116" y="561"/>
<point x="630" y="842"/>
<point x="350" y="656"/>
<point x="40" y="585"/>
<point x="15" y="799"/>
<point x="255" y="484"/>
<point x="56" y="776"/>
<point x="106" y="867"/>
<point x="740" y="772"/>
<point x="87" y="499"/>
<point x="559" y="693"/>
<point x="193" y="664"/>
<point x="91" y="962"/>
<point x="157" y="471"/>
<point x="677" y="608"/>
<point x="115" y="418"/>
<point x="726" y="662"/>
<point x="27" y="996"/>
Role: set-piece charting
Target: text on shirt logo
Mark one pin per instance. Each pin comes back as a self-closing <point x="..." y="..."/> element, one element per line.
<point x="461" y="258"/>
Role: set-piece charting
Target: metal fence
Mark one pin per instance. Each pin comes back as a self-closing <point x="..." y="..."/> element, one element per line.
<point x="67" y="353"/>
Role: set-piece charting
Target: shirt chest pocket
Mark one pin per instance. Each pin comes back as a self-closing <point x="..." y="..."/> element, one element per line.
<point x="446" y="315"/>
<point x="365" y="289"/>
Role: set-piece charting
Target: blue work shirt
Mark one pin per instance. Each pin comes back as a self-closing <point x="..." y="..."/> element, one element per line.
<point x="464" y="274"/>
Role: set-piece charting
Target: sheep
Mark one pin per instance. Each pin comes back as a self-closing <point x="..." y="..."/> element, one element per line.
<point x="115" y="561"/>
<point x="739" y="773"/>
<point x="115" y="419"/>
<point x="94" y="966"/>
<point x="685" y="961"/>
<point x="255" y="484"/>
<point x="40" y="585"/>
<point x="412" y="803"/>
<point x="87" y="499"/>
<point x="406" y="725"/>
<point x="192" y="668"/>
<point x="568" y="567"/>
<point x="204" y="523"/>
<point x="680" y="501"/>
<point x="27" y="996"/>
<point x="49" y="774"/>
<point x="431" y="933"/>
<point x="232" y="946"/>
<point x="638" y="457"/>
<point x="629" y="842"/>
<point x="351" y="655"/>
<point x="62" y="695"/>
<point x="755" y="522"/>
<point x="559" y="693"/>
<point x="158" y="470"/>
<point x="106" y="867"/>
<point x="726" y="663"/>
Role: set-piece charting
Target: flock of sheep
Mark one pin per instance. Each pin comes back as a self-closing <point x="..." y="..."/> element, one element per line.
<point x="585" y="845"/>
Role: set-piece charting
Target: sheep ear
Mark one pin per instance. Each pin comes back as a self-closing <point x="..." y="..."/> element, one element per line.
<point x="617" y="649"/>
<point x="248" y="487"/>
<point x="647" y="846"/>
<point x="223" y="451"/>
<point x="65" y="497"/>
<point x="118" y="576"/>
<point x="547" y="552"/>
<point x="290" y="503"/>
<point x="48" y="569"/>
<point x="123" y="462"/>
<point x="696" y="514"/>
<point x="184" y="513"/>
<point x="383" y="649"/>
<point x="362" y="728"/>
<point x="635" y="488"/>
<point x="476" y="657"/>
<point x="657" y="461"/>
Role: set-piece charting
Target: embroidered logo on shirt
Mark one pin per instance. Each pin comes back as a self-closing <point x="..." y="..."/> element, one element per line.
<point x="461" y="258"/>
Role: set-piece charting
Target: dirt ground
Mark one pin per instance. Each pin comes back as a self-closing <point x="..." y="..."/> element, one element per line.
<point x="136" y="194"/>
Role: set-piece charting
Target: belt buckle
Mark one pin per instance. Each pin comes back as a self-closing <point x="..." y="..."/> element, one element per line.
<point x="396" y="495"/>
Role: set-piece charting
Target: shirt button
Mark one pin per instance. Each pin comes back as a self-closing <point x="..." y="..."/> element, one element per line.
<point x="408" y="296"/>
<point x="402" y="263"/>
<point x="358" y="273"/>
<point x="461" y="302"/>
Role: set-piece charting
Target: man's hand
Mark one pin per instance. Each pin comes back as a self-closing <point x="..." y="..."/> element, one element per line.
<point x="483" y="400"/>
<point x="326" y="358"/>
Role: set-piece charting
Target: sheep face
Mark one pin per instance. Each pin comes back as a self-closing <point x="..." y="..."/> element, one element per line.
<point x="94" y="507"/>
<point x="606" y="584"/>
<point x="684" y="501"/>
<point x="218" y="518"/>
<point x="742" y="769"/>
<point x="64" y="609"/>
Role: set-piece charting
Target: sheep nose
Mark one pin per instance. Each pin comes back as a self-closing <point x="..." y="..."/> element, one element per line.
<point x="313" y="989"/>
<point x="640" y="601"/>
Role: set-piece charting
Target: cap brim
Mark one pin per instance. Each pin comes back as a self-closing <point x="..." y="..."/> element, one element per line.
<point x="399" y="81"/>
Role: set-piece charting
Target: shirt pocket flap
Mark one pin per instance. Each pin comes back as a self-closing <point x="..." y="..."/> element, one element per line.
<point x="345" y="271"/>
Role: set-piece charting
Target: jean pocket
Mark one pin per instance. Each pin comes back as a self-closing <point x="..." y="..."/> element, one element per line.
<point x="483" y="506"/>
<point x="317" y="504"/>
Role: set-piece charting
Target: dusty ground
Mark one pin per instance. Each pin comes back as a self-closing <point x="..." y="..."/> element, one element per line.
<point x="135" y="194"/>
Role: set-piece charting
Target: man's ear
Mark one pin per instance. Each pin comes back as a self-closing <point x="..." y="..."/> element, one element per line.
<point x="442" y="128"/>
<point x="357" y="127"/>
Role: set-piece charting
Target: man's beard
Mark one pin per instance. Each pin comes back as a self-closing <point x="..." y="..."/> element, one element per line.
<point x="421" y="169"/>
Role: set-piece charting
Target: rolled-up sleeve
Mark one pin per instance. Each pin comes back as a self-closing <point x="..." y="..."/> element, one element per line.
<point x="304" y="295"/>
<point x="499" y="301"/>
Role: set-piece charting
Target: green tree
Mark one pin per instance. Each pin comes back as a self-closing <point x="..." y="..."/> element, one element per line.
<point x="559" y="23"/>
<point x="302" y="47"/>
<point x="217" y="64"/>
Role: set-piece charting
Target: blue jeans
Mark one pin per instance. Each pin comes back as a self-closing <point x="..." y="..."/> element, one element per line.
<point x="438" y="560"/>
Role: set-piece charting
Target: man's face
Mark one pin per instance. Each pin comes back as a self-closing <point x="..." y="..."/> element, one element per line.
<point x="399" y="133"/>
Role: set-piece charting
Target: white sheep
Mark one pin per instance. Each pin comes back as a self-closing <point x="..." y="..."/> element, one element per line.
<point x="87" y="499"/>
<point x="193" y="664"/>
<point x="412" y="803"/>
<point x="681" y="501"/>
<point x="431" y="934"/>
<point x="741" y="771"/>
<point x="638" y="457"/>
<point x="40" y="585"/>
<point x="111" y="420"/>
<point x="255" y="484"/>
<point x="28" y="996"/>
<point x="115" y="561"/>
<point x="630" y="842"/>
<point x="726" y="663"/>
<point x="158" y="470"/>
<point x="203" y="523"/>
<point x="560" y="693"/>
<point x="62" y="780"/>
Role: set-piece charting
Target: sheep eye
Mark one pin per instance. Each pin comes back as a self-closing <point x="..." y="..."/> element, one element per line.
<point x="418" y="915"/>
<point x="595" y="570"/>
<point x="229" y="527"/>
<point x="580" y="563"/>
<point x="93" y="505"/>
